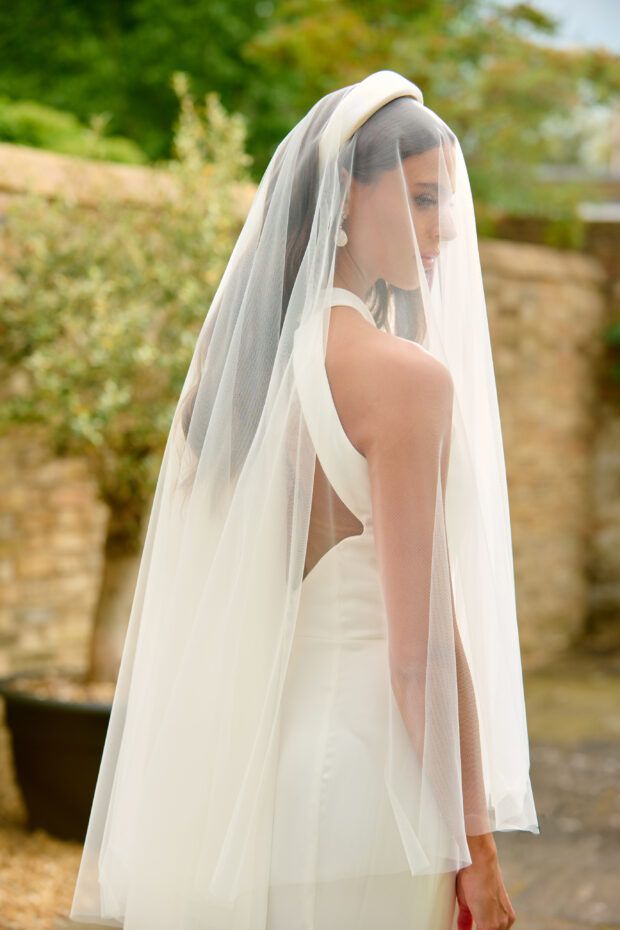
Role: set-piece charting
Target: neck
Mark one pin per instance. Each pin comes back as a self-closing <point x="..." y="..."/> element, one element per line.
<point x="349" y="275"/>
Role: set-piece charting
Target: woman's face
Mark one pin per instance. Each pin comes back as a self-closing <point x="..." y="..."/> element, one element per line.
<point x="384" y="218"/>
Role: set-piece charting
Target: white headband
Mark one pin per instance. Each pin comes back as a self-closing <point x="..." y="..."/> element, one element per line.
<point x="360" y="103"/>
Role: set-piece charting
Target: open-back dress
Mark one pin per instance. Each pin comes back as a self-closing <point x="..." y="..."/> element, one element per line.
<point x="338" y="861"/>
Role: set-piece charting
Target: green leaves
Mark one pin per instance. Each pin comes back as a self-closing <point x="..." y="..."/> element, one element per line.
<point x="101" y="309"/>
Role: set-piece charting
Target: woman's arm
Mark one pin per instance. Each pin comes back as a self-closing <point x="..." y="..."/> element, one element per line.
<point x="407" y="450"/>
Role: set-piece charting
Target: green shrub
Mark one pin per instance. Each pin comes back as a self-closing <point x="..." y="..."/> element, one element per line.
<point x="101" y="308"/>
<point x="25" y="122"/>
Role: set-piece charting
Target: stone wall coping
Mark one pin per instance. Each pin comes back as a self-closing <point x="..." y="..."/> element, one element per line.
<point x="24" y="169"/>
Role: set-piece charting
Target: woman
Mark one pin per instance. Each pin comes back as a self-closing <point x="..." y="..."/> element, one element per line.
<point x="319" y="718"/>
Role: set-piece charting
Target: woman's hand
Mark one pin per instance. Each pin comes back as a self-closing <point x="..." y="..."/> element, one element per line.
<point x="482" y="899"/>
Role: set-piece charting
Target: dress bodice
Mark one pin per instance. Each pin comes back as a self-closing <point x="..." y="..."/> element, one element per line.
<point x="342" y="592"/>
<point x="344" y="466"/>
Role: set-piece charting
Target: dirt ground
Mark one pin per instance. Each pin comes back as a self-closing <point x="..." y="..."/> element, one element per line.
<point x="563" y="879"/>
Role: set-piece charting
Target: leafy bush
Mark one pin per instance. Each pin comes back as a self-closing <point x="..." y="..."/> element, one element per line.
<point x="101" y="308"/>
<point x="26" y="122"/>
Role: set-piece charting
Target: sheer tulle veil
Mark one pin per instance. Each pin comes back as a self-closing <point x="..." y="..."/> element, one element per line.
<point x="180" y="829"/>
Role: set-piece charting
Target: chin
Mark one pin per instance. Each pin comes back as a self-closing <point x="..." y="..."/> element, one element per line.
<point x="410" y="283"/>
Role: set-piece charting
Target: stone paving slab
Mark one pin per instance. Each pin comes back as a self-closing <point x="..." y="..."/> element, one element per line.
<point x="566" y="877"/>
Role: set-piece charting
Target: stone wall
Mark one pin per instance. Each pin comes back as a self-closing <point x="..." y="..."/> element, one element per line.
<point x="52" y="531"/>
<point x="29" y="170"/>
<point x="546" y="312"/>
<point x="603" y="626"/>
<point x="603" y="621"/>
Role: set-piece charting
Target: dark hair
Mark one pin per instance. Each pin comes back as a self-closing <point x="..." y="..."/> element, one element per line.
<point x="397" y="130"/>
<point x="400" y="128"/>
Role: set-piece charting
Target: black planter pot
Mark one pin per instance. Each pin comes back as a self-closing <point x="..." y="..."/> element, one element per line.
<point x="57" y="748"/>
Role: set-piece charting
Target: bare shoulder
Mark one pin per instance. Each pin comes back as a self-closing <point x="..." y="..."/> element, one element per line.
<point x="396" y="363"/>
<point x="412" y="393"/>
<point x="381" y="383"/>
<point x="410" y="370"/>
<point x="403" y="372"/>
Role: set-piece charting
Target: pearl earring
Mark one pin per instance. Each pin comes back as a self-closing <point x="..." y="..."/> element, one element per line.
<point x="341" y="235"/>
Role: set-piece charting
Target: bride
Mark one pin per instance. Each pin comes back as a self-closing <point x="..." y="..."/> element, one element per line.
<point x="319" y="721"/>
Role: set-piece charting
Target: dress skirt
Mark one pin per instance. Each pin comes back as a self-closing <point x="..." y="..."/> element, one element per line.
<point x="338" y="861"/>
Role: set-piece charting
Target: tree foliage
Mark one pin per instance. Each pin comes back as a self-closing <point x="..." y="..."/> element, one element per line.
<point x="117" y="58"/>
<point x="515" y="103"/>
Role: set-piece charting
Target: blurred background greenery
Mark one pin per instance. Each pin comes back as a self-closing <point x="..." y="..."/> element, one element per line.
<point x="94" y="79"/>
<point x="100" y="308"/>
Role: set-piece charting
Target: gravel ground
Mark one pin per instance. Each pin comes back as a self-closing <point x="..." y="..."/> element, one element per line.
<point x="563" y="879"/>
<point x="37" y="871"/>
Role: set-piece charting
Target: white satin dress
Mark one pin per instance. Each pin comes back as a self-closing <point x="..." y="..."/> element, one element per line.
<point x="338" y="861"/>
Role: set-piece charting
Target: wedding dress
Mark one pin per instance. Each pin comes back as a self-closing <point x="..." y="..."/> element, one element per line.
<point x="331" y="801"/>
